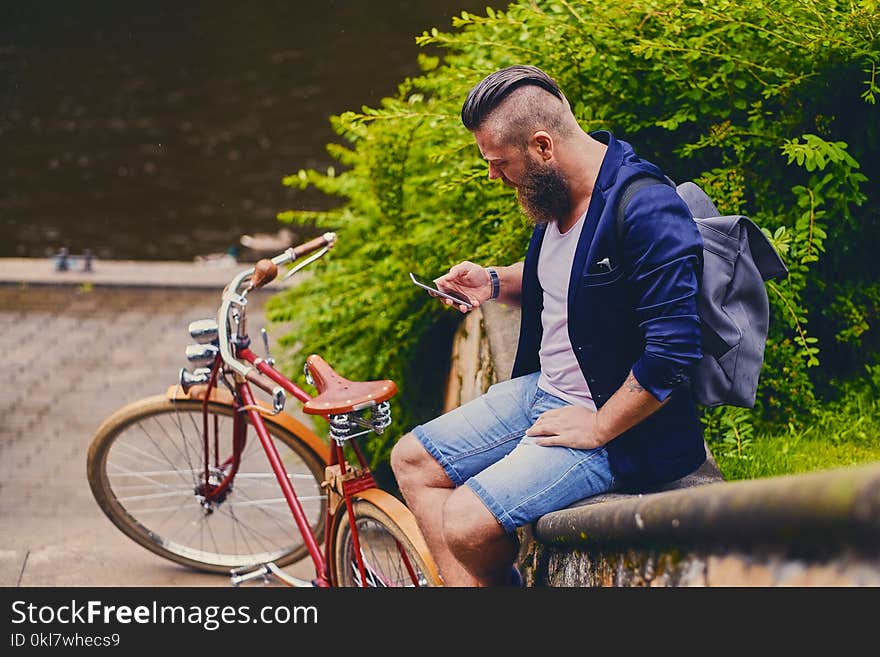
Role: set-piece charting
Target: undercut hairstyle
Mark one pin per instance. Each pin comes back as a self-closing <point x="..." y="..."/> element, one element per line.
<point x="520" y="96"/>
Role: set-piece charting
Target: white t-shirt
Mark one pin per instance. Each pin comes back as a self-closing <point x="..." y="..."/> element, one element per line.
<point x="560" y="372"/>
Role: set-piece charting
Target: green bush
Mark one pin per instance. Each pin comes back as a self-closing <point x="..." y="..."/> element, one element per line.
<point x="840" y="433"/>
<point x="769" y="104"/>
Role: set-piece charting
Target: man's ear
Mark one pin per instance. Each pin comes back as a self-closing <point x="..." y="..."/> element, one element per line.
<point x="542" y="143"/>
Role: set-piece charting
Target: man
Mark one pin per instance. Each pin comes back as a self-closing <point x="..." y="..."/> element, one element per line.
<point x="599" y="395"/>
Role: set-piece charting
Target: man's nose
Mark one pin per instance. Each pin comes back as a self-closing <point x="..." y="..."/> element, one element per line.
<point x="493" y="172"/>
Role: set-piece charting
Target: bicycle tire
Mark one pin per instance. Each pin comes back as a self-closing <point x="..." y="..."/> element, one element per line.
<point x="143" y="468"/>
<point x="384" y="525"/>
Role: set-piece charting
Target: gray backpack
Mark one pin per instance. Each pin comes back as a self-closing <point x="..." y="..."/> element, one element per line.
<point x="732" y="302"/>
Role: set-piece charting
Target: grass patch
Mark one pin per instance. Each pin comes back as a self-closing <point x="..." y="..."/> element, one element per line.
<point x="841" y="433"/>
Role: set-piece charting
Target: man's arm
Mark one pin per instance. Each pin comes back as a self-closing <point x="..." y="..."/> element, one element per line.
<point x="473" y="282"/>
<point x="582" y="428"/>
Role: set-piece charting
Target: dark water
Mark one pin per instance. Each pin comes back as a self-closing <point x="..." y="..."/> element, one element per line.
<point x="161" y="130"/>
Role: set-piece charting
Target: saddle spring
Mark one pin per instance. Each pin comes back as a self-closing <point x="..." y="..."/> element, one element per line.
<point x="342" y="426"/>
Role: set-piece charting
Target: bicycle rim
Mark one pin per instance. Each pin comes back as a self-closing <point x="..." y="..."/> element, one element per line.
<point x="392" y="554"/>
<point x="145" y="467"/>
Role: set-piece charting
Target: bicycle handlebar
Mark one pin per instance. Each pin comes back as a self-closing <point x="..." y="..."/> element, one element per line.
<point x="266" y="270"/>
<point x="262" y="273"/>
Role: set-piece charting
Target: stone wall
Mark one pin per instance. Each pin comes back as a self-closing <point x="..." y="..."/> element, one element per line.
<point x="815" y="529"/>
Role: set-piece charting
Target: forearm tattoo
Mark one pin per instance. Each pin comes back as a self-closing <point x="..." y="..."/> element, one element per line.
<point x="633" y="384"/>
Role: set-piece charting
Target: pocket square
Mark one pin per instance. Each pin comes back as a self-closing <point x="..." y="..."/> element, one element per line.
<point x="601" y="265"/>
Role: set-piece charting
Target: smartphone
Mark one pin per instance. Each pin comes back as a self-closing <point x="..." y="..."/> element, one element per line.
<point x="439" y="293"/>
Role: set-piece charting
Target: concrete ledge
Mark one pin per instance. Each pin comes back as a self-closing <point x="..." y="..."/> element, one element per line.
<point x="127" y="273"/>
<point x="825" y="507"/>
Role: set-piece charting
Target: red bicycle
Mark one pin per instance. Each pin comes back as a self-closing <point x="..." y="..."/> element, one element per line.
<point x="208" y="476"/>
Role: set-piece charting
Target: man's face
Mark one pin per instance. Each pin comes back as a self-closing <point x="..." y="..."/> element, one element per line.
<point x="505" y="160"/>
<point x="541" y="189"/>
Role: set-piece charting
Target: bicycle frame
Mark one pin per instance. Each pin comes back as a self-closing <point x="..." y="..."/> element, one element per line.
<point x="362" y="480"/>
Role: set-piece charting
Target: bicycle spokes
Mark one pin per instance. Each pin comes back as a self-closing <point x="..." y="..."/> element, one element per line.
<point x="372" y="578"/>
<point x="385" y="561"/>
<point x="376" y="579"/>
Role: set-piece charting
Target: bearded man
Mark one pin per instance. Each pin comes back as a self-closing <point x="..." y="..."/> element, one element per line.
<point x="599" y="397"/>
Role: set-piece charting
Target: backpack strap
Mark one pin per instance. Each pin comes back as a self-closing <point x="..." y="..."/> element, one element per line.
<point x="633" y="185"/>
<point x="712" y="342"/>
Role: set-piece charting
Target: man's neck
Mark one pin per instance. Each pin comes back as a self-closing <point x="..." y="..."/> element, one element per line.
<point x="581" y="164"/>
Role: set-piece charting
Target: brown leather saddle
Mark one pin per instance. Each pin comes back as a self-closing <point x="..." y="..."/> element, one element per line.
<point x="338" y="395"/>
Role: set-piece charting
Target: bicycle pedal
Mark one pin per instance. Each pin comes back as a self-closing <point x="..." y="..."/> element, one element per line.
<point x="244" y="574"/>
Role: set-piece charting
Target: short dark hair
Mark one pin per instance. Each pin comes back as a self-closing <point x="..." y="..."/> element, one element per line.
<point x="487" y="94"/>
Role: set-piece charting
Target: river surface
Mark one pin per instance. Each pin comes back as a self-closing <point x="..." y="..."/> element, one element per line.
<point x="162" y="130"/>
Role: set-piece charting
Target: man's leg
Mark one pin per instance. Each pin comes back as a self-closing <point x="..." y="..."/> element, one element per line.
<point x="477" y="540"/>
<point x="431" y="464"/>
<point x="529" y="482"/>
<point x="472" y="477"/>
<point x="426" y="488"/>
<point x="467" y="542"/>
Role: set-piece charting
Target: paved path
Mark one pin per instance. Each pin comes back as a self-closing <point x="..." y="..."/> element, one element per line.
<point x="81" y="345"/>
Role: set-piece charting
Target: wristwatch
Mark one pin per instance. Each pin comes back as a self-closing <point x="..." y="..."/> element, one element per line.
<point x="496" y="284"/>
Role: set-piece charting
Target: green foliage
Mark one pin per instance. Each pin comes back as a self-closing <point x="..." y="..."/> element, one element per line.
<point x="770" y="104"/>
<point x="842" y="432"/>
<point x="732" y="431"/>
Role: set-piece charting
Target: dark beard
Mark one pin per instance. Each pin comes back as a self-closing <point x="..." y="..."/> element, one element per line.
<point x="544" y="194"/>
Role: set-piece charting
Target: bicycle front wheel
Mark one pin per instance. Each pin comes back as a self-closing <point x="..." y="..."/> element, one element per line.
<point x="146" y="471"/>
<point x="392" y="547"/>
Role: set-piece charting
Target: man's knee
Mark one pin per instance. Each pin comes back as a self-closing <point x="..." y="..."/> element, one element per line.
<point x="406" y="455"/>
<point x="413" y="465"/>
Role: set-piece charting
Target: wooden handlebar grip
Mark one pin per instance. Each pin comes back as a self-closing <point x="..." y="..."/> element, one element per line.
<point x="313" y="245"/>
<point x="265" y="272"/>
<point x="261" y="381"/>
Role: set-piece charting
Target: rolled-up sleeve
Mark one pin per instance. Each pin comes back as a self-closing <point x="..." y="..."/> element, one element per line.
<point x="662" y="241"/>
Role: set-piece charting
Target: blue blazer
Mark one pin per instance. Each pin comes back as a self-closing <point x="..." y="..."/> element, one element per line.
<point x="640" y="314"/>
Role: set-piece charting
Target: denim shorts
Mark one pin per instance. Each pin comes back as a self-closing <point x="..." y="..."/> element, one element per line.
<point x="482" y="444"/>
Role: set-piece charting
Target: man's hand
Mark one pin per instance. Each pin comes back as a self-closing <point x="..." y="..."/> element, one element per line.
<point x="467" y="280"/>
<point x="569" y="426"/>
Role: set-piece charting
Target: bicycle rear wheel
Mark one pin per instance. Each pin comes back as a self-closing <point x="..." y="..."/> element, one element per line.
<point x="393" y="549"/>
<point x="145" y="468"/>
